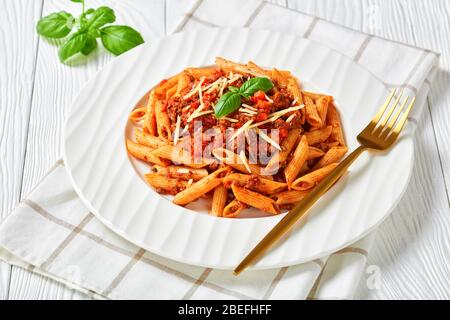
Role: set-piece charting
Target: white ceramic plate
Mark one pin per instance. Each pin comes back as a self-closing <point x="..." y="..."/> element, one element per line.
<point x="110" y="185"/>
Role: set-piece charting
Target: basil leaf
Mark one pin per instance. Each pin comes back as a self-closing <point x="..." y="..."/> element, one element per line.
<point x="118" y="39"/>
<point x="79" y="1"/>
<point x="227" y="103"/>
<point x="55" y="25"/>
<point x="91" y="44"/>
<point x="233" y="89"/>
<point x="73" y="45"/>
<point x="252" y="85"/>
<point x="100" y="17"/>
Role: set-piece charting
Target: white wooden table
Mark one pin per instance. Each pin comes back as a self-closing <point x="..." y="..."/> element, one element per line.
<point x="412" y="250"/>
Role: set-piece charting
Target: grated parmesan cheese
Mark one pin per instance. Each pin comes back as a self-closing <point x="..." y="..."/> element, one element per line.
<point x="196" y="88"/>
<point x="244" y="161"/>
<point x="177" y="131"/>
<point x="244" y="127"/>
<point x="281" y="113"/>
<point x="269" y="140"/>
<point x="249" y="107"/>
<point x="292" y="116"/>
<point x="267" y="98"/>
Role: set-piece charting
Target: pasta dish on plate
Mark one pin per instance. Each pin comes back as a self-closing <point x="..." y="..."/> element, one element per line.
<point x="237" y="134"/>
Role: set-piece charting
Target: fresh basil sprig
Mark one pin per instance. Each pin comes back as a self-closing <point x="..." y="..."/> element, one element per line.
<point x="80" y="35"/>
<point x="231" y="100"/>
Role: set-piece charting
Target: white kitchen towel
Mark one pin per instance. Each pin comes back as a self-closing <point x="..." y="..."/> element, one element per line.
<point x="53" y="234"/>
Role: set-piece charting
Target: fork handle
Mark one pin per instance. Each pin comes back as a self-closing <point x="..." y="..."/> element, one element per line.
<point x="298" y="211"/>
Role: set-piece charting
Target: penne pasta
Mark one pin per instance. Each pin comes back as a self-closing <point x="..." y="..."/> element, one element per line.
<point x="312" y="117"/>
<point x="316" y="96"/>
<point x="237" y="67"/>
<point x="162" y="121"/>
<point x="257" y="69"/>
<point x="334" y="121"/>
<point x="184" y="82"/>
<point x="255" y="199"/>
<point x="161" y="89"/>
<point x="138" y="114"/>
<point x="322" y="108"/>
<point x="333" y="155"/>
<point x="180" y="172"/>
<point x="289" y="197"/>
<point x="255" y="183"/>
<point x="298" y="159"/>
<point x="199" y="188"/>
<point x="311" y="179"/>
<point x="279" y="78"/>
<point x="233" y="209"/>
<point x="178" y="155"/>
<point x="168" y="185"/>
<point x="294" y="89"/>
<point x="144" y="153"/>
<point x="171" y="92"/>
<point x="219" y="200"/>
<point x="280" y="157"/>
<point x="199" y="73"/>
<point x="147" y="139"/>
<point x="177" y="128"/>
<point x="318" y="136"/>
<point x="150" y="115"/>
<point x="314" y="153"/>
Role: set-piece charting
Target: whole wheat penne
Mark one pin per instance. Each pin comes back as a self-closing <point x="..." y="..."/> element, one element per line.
<point x="180" y="172"/>
<point x="316" y="96"/>
<point x="219" y="200"/>
<point x="161" y="90"/>
<point x="162" y="121"/>
<point x="168" y="185"/>
<point x="179" y="155"/>
<point x="233" y="160"/>
<point x="289" y="197"/>
<point x="294" y="89"/>
<point x="233" y="209"/>
<point x="255" y="183"/>
<point x="184" y="82"/>
<point x="144" y="153"/>
<point x="314" y="153"/>
<point x="147" y="139"/>
<point x="199" y="188"/>
<point x="198" y="73"/>
<point x="312" y="117"/>
<point x="255" y="199"/>
<point x="311" y="179"/>
<point x="279" y="78"/>
<point x="298" y="159"/>
<point x="322" y="108"/>
<point x="334" y="120"/>
<point x="280" y="157"/>
<point x="318" y="136"/>
<point x="150" y="115"/>
<point x="237" y="67"/>
<point x="325" y="146"/>
<point x="333" y="155"/>
<point x="138" y="114"/>
<point x="304" y="169"/>
<point x="257" y="69"/>
<point x="171" y="91"/>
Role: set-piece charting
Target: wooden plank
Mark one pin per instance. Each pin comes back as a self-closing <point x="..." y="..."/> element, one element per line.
<point x="17" y="64"/>
<point x="418" y="270"/>
<point x="56" y="86"/>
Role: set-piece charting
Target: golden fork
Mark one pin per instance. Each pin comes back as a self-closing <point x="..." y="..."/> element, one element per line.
<point x="379" y="134"/>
